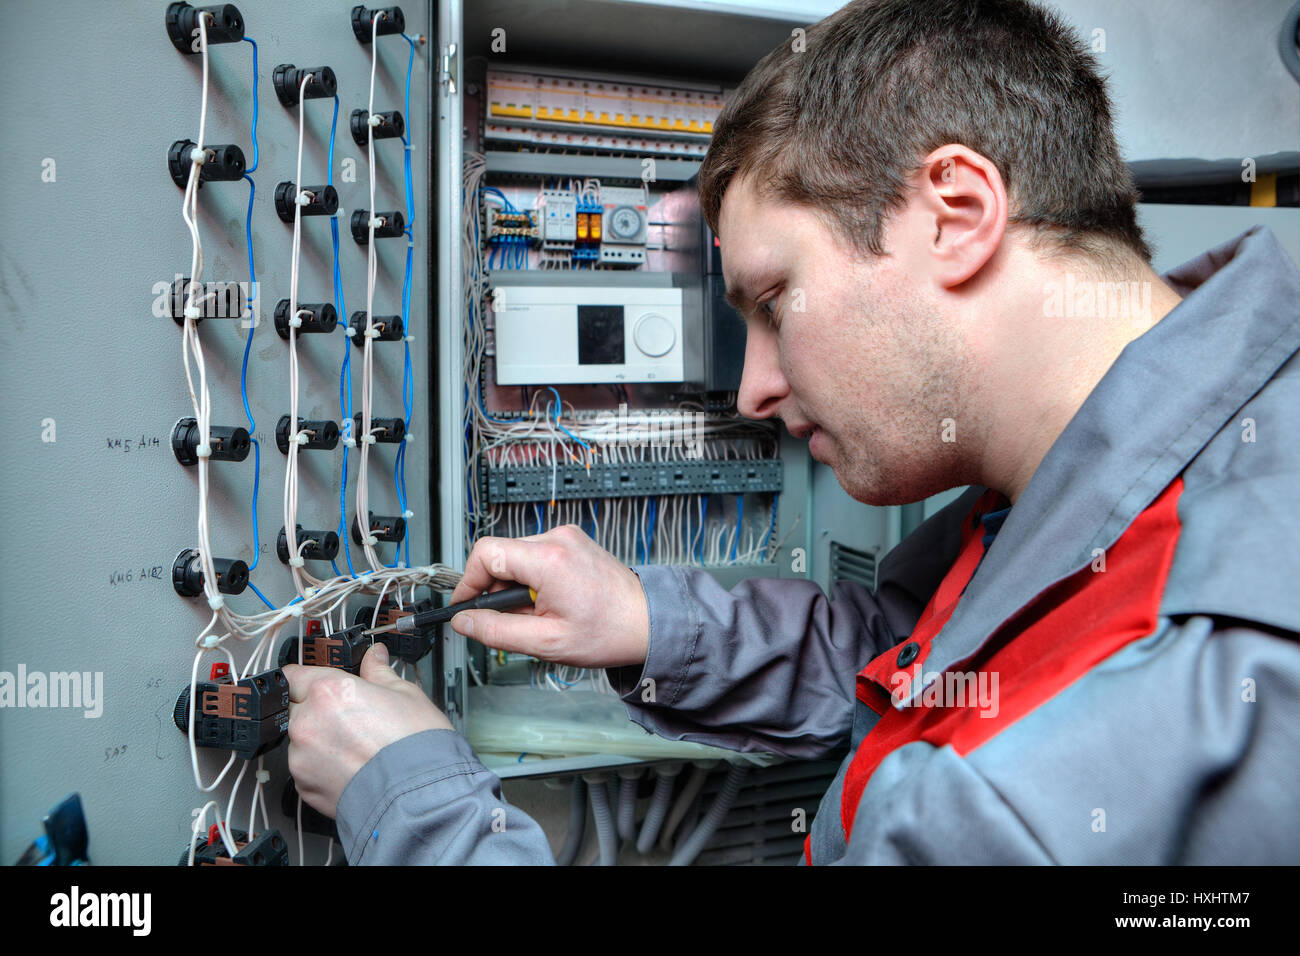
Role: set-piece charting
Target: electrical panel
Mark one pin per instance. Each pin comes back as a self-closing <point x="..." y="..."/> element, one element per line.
<point x="598" y="376"/>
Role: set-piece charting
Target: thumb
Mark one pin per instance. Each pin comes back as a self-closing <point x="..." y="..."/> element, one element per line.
<point x="374" y="666"/>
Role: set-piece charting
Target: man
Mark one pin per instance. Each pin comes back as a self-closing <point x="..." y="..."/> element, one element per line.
<point x="926" y="223"/>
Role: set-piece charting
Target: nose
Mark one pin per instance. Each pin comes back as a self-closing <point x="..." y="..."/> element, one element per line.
<point x="762" y="383"/>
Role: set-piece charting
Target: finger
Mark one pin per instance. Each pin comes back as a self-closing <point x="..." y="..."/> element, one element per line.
<point x="496" y="560"/>
<point x="302" y="677"/>
<point x="529" y="634"/>
<point x="374" y="666"/>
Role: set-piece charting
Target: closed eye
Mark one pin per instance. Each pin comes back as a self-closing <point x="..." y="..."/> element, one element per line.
<point x="767" y="309"/>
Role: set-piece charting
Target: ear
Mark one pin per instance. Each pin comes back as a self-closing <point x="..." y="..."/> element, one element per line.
<point x="964" y="206"/>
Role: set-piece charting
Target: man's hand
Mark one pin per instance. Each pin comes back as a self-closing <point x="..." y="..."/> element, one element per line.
<point x="590" y="609"/>
<point x="337" y="722"/>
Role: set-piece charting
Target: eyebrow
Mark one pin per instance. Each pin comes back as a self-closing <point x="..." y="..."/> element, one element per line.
<point x="738" y="296"/>
<point x="736" y="299"/>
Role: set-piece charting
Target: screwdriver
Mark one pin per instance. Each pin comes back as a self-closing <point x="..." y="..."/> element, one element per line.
<point x="507" y="599"/>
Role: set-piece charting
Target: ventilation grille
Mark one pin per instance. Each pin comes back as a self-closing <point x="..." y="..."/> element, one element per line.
<point x="763" y="827"/>
<point x="850" y="564"/>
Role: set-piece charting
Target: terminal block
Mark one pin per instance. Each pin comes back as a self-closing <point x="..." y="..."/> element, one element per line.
<point x="287" y="80"/>
<point x="187" y="574"/>
<point x="315" y="316"/>
<point x="383" y="527"/>
<point x="224" y="164"/>
<point x="320" y="200"/>
<point x="391" y="225"/>
<point x="226" y="442"/>
<point x="509" y="225"/>
<point x="222" y="24"/>
<point x="404" y="647"/>
<point x="387" y="431"/>
<point x="388" y="126"/>
<point x="266" y="849"/>
<point x="391" y="21"/>
<point x="315" y="545"/>
<point x="215" y="300"/>
<point x="389" y="327"/>
<point x="342" y="649"/>
<point x="248" y="716"/>
<point x="321" y="435"/>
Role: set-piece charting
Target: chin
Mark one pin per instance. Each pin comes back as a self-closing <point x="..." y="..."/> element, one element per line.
<point x="874" y="488"/>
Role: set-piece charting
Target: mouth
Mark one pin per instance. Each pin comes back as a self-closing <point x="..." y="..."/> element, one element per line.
<point x="802" y="431"/>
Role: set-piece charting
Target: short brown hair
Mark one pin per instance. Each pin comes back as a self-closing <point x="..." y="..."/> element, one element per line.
<point x="840" y="125"/>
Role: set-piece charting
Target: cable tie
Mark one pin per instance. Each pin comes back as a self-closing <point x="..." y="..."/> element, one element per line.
<point x="349" y="331"/>
<point x="304" y="198"/>
<point x="410" y="338"/>
<point x="375" y="120"/>
<point x="372" y="540"/>
<point x="376" y="222"/>
<point x="372" y="333"/>
<point x="198" y="156"/>
<point x="308" y="594"/>
<point x="408" y="438"/>
<point x="295" y="322"/>
<point x="203" y="451"/>
<point x="408" y="514"/>
<point x="300" y="437"/>
<point x="193" y="312"/>
<point x="295" y="610"/>
<point x="350" y="442"/>
<point x="368" y="439"/>
<point x="210" y="642"/>
<point x="263" y="776"/>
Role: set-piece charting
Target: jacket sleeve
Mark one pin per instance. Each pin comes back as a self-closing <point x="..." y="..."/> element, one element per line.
<point x="427" y="799"/>
<point x="771" y="665"/>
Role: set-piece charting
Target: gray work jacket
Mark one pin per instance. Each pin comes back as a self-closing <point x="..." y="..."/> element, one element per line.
<point x="1180" y="747"/>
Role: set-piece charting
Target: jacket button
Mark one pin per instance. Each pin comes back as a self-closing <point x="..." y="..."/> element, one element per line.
<point x="911" y="650"/>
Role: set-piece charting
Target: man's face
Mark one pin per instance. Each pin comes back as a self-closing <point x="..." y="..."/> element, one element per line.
<point x="851" y="353"/>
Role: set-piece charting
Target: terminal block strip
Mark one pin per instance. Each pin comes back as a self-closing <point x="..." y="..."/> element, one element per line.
<point x="535" y="483"/>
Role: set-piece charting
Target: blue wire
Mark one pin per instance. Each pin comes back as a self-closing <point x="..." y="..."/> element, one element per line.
<point x="261" y="595"/>
<point x="248" y="344"/>
<point x="254" y="166"/>
<point x="772" y="527"/>
<point x="510" y="207"/>
<point x="704" y="523"/>
<point x="408" y="375"/>
<point x="650" y="534"/>
<point x="561" y="427"/>
<point x="740" y="512"/>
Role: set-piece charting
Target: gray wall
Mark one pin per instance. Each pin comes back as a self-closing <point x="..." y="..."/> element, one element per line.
<point x="1189" y="77"/>
<point x="104" y="96"/>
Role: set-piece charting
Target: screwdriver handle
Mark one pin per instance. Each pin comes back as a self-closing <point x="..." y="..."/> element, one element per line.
<point x="507" y="599"/>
